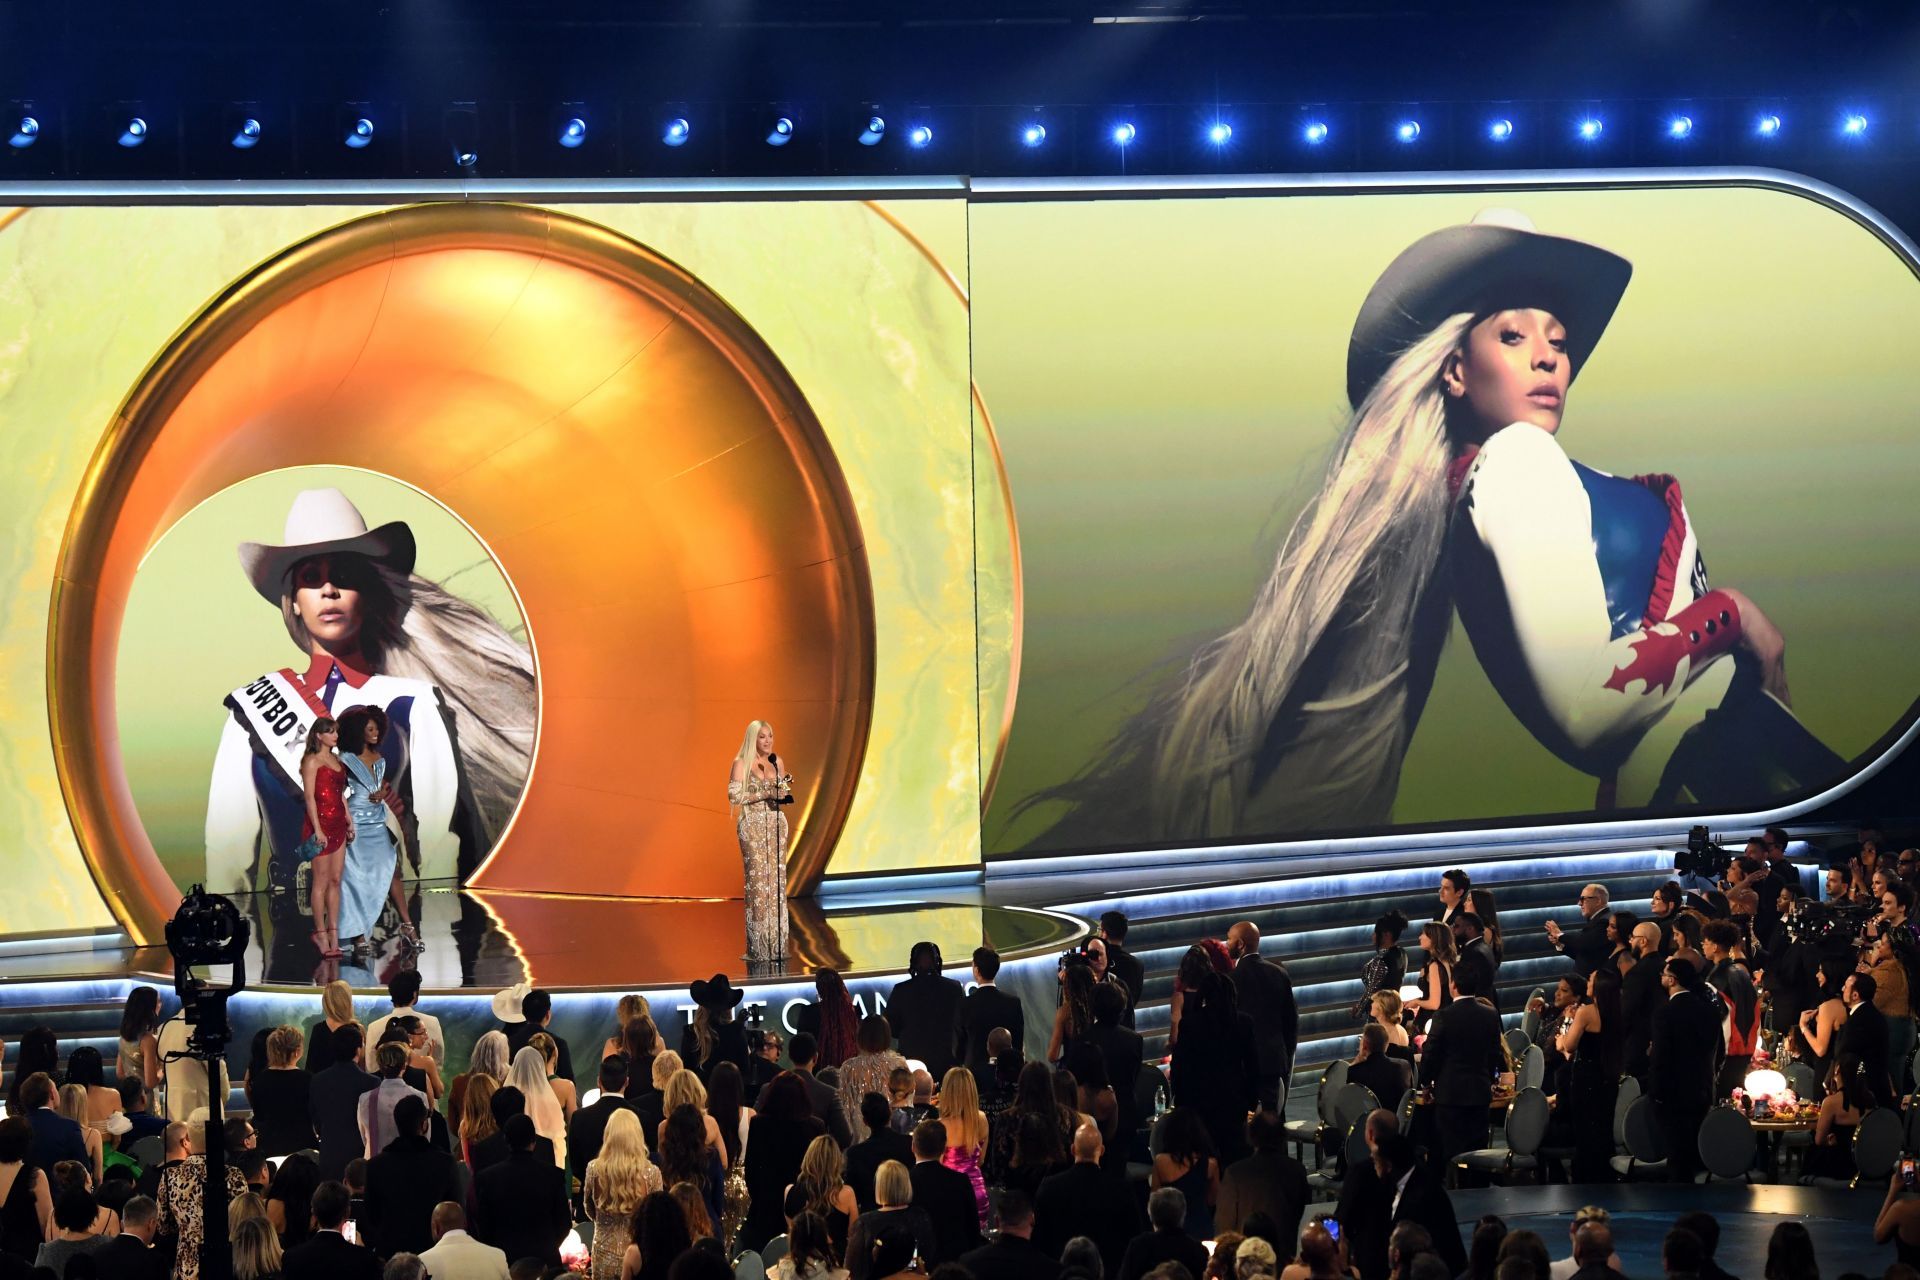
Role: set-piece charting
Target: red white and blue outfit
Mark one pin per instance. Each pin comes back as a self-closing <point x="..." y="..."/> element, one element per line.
<point x="1586" y="598"/>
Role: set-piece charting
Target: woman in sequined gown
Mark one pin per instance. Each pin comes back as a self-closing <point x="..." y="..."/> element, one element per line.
<point x="757" y="788"/>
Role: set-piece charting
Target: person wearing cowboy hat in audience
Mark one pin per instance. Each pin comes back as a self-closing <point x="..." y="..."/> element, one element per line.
<point x="1585" y="595"/>
<point x="713" y="1035"/>
<point x="370" y="632"/>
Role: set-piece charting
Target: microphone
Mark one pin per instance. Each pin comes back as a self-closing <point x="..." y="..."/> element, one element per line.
<point x="773" y="759"/>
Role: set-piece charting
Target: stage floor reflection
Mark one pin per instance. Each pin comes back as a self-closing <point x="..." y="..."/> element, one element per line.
<point x="483" y="941"/>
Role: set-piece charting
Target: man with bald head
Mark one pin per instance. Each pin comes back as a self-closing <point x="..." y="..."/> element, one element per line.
<point x="455" y="1254"/>
<point x="1265" y="989"/>
<point x="1640" y="995"/>
<point x="1586" y="946"/>
<point x="1085" y="1200"/>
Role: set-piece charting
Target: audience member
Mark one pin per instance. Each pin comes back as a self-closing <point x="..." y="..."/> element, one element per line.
<point x="713" y="1035"/>
<point x="1365" y="1209"/>
<point x="688" y="1154"/>
<point x="54" y="1136"/>
<point x="1087" y="1200"/>
<point x="1681" y="1255"/>
<point x="1790" y="1254"/>
<point x="1320" y="1255"/>
<point x="821" y="1187"/>
<point x="823" y="1099"/>
<point x="290" y="1199"/>
<point x="616" y="1181"/>
<point x="71" y="1231"/>
<point x="895" y="1211"/>
<point x="881" y="1145"/>
<point x="141" y="1122"/>
<point x="536" y="1013"/>
<point x="1589" y="1215"/>
<point x="539" y="1102"/>
<point x="335" y="1094"/>
<point x="458" y="1256"/>
<point x="1215" y="1068"/>
<point x="1268" y="1181"/>
<point x="589" y="1124"/>
<point x="1013" y="1255"/>
<point x="810" y="1254"/>
<point x="1420" y="1197"/>
<point x="1166" y="1239"/>
<point x="831" y="1017"/>
<point x="131" y="1255"/>
<point x="405" y="1266"/>
<point x="1264" y="992"/>
<point x="983" y="1009"/>
<point x="778" y="1139"/>
<point x="1706" y="1229"/>
<point x="1125" y="966"/>
<point x="183" y="1194"/>
<point x="1686" y="1038"/>
<point x="923" y="1014"/>
<point x="868" y="1070"/>
<point x="329" y="1255"/>
<point x="1527" y="1249"/>
<point x="1587" y="946"/>
<point x="257" y="1253"/>
<point x="374" y="1108"/>
<point x="404" y="1182"/>
<point x="1898" y="1222"/>
<point x="1463" y="1053"/>
<point x="490" y="1058"/>
<point x="403" y="991"/>
<point x="1473" y="951"/>
<point x="1866" y="1036"/>
<point x="521" y="1203"/>
<point x="70" y="1100"/>
<point x="1186" y="1161"/>
<point x="1385" y="1077"/>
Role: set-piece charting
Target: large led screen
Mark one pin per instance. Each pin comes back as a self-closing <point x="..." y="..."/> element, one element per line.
<point x="1356" y="513"/>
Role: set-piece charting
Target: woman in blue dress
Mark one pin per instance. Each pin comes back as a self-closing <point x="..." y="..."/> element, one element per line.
<point x="372" y="871"/>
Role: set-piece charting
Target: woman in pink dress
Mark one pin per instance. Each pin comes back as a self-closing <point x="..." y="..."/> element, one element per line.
<point x="966" y="1127"/>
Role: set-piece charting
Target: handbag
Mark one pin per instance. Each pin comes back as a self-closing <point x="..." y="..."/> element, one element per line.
<point x="309" y="849"/>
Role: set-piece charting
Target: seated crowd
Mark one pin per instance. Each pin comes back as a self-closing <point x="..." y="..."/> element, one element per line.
<point x="924" y="1142"/>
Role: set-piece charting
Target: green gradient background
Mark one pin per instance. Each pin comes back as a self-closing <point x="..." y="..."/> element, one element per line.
<point x="171" y="678"/>
<point x="1167" y="376"/>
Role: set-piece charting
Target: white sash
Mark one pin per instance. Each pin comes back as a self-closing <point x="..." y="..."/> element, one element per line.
<point x="277" y="715"/>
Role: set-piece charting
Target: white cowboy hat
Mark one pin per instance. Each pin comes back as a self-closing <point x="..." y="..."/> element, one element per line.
<point x="319" y="522"/>
<point x="506" y="1004"/>
<point x="1495" y="262"/>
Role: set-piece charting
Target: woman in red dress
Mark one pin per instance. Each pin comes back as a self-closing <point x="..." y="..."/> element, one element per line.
<point x="323" y="836"/>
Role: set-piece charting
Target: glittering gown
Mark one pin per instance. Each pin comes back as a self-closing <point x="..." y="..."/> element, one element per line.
<point x="329" y="787"/>
<point x="762" y="829"/>
<point x="612" y="1231"/>
<point x="368" y="876"/>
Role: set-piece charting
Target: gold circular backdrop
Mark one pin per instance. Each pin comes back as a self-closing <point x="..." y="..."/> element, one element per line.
<point x="634" y="455"/>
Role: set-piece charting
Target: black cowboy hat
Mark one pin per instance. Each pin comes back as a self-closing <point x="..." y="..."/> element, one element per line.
<point x="717" y="993"/>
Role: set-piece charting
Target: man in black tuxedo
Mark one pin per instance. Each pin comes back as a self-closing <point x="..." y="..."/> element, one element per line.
<point x="131" y="1255"/>
<point x="1588" y="945"/>
<point x="1013" y="1256"/>
<point x="827" y="1107"/>
<point x="1865" y="1036"/>
<point x="55" y="1138"/>
<point x="404" y="1183"/>
<point x="984" y="1008"/>
<point x="1166" y="1239"/>
<point x="522" y="1201"/>
<point x="334" y="1098"/>
<point x="327" y="1255"/>
<point x="1365" y="1211"/>
<point x="506" y="1103"/>
<point x="536" y="1012"/>
<point x="1455" y="884"/>
<point x="945" y="1195"/>
<point x="924" y="1011"/>
<point x="1125" y="1054"/>
<point x="1420" y="1197"/>
<point x="1463" y="1054"/>
<point x="1269" y="1181"/>
<point x="1387" y="1077"/>
<point x="1683" y="1056"/>
<point x="1265" y="992"/>
<point x="1122" y="963"/>
<point x="1085" y="1200"/>
<point x="1640" y="995"/>
<point x="588" y="1127"/>
<point x="1475" y="952"/>
<point x="881" y="1145"/>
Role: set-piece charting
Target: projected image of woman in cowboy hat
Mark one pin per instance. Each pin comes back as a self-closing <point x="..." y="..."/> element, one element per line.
<point x="1585" y="594"/>
<point x="456" y="690"/>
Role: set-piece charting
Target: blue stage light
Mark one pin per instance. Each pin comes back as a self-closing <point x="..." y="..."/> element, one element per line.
<point x="1033" y="135"/>
<point x="247" y="136"/>
<point x="676" y="132"/>
<point x="573" y="133"/>
<point x="359" y="134"/>
<point x="135" y="132"/>
<point x="781" y="133"/>
<point x="464" y="157"/>
<point x="876" y="129"/>
<point x="1680" y="127"/>
<point x="1407" y="131"/>
<point x="1590" y="129"/>
<point x="1854" y="125"/>
<point x="1220" y="133"/>
<point x="26" y="132"/>
<point x="1315" y="133"/>
<point x="1124" y="133"/>
<point x="919" y="136"/>
<point x="1767" y="125"/>
<point x="1500" y="130"/>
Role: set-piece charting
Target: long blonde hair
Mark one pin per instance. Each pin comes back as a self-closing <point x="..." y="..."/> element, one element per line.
<point x="960" y="1109"/>
<point x="476" y="1108"/>
<point x="683" y="1089"/>
<point x="622" y="1174"/>
<point x="336" y="1001"/>
<point x="822" y="1174"/>
<point x="1364" y="555"/>
<point x="750" y="745"/>
<point x="256" y="1250"/>
<point x="419" y="630"/>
